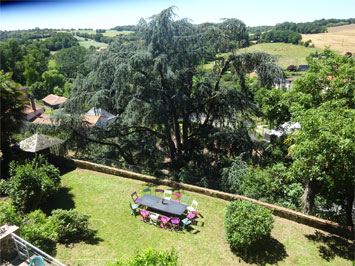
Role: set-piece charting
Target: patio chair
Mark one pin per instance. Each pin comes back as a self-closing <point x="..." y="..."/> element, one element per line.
<point x="185" y="222"/>
<point x="193" y="206"/>
<point x="37" y="261"/>
<point x="133" y="208"/>
<point x="167" y="194"/>
<point x="147" y="190"/>
<point x="177" y="197"/>
<point x="174" y="223"/>
<point x="144" y="215"/>
<point x="153" y="218"/>
<point x="159" y="192"/>
<point x="164" y="221"/>
<point x="185" y="200"/>
<point x="135" y="197"/>
<point x="192" y="217"/>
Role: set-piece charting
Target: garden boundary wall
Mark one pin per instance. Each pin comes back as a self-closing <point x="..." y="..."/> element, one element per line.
<point x="326" y="225"/>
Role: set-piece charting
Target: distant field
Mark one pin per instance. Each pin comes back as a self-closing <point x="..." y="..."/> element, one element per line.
<point x="287" y="54"/>
<point x="89" y="43"/>
<point x="109" y="33"/>
<point x="341" y="38"/>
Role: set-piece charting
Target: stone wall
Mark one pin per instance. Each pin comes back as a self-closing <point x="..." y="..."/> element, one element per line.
<point x="326" y="225"/>
<point x="7" y="244"/>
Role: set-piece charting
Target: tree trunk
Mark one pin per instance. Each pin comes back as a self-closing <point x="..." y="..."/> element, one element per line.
<point x="312" y="188"/>
<point x="350" y="209"/>
<point x="6" y="156"/>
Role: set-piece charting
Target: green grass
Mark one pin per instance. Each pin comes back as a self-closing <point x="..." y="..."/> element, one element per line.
<point x="90" y="42"/>
<point x="105" y="198"/>
<point x="287" y="54"/>
<point x="109" y="33"/>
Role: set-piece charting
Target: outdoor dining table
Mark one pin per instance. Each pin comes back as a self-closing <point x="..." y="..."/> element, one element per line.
<point x="163" y="205"/>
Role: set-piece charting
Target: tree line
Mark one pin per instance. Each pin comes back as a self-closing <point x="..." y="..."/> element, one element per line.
<point x="290" y="32"/>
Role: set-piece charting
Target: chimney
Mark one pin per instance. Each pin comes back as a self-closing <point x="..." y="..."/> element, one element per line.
<point x="33" y="103"/>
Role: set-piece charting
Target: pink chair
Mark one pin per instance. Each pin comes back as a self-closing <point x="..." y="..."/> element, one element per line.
<point x="174" y="222"/>
<point x="135" y="197"/>
<point x="144" y="215"/>
<point x="164" y="221"/>
<point x="192" y="216"/>
<point x="177" y="197"/>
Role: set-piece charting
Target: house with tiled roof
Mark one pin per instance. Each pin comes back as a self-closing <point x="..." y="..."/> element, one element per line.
<point x="54" y="101"/>
<point x="98" y="117"/>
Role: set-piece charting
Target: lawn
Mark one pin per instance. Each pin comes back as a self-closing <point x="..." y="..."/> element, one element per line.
<point x="340" y="38"/>
<point x="90" y="42"/>
<point x="287" y="54"/>
<point x="105" y="198"/>
<point x="108" y="33"/>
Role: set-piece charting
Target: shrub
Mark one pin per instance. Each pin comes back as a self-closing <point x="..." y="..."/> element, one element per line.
<point x="9" y="214"/>
<point x="31" y="183"/>
<point x="246" y="223"/>
<point x="71" y="225"/>
<point x="150" y="257"/>
<point x="232" y="176"/>
<point x="39" y="231"/>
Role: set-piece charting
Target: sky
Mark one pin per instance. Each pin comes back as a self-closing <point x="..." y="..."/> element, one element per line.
<point x="105" y="14"/>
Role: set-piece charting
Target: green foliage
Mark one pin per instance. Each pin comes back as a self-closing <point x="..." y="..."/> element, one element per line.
<point x="323" y="150"/>
<point x="273" y="185"/>
<point x="285" y="36"/>
<point x="12" y="115"/>
<point x="31" y="183"/>
<point x="36" y="63"/>
<point x="167" y="106"/>
<point x="60" y="40"/>
<point x="324" y="153"/>
<point x="51" y="80"/>
<point x="39" y="231"/>
<point x="71" y="225"/>
<point x="150" y="257"/>
<point x="70" y="61"/>
<point x="8" y="213"/>
<point x="38" y="90"/>
<point x="231" y="176"/>
<point x="246" y="223"/>
<point x="274" y="106"/>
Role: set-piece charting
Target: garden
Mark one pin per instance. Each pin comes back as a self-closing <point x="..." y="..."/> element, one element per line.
<point x="95" y="226"/>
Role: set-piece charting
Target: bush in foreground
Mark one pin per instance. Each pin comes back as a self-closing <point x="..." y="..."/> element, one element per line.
<point x="39" y="231"/>
<point x="31" y="183"/>
<point x="150" y="257"/>
<point x="71" y="225"/>
<point x="9" y="214"/>
<point x="246" y="223"/>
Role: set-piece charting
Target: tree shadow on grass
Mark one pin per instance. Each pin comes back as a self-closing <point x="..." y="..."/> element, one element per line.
<point x="333" y="246"/>
<point x="90" y="238"/>
<point x="267" y="251"/>
<point x="62" y="199"/>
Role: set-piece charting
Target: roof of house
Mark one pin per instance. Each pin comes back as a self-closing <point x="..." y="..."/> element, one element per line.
<point x="52" y="99"/>
<point x="99" y="112"/>
<point x="43" y="119"/>
<point x="39" y="142"/>
<point x="252" y="74"/>
<point x="29" y="110"/>
<point x="90" y="120"/>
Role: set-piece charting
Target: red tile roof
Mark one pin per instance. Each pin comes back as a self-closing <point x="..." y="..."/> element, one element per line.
<point x="52" y="99"/>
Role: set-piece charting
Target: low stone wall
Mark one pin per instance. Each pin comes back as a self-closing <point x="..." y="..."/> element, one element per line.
<point x="7" y="244"/>
<point x="326" y="225"/>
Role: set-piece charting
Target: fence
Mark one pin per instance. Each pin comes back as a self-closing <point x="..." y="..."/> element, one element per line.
<point x="26" y="251"/>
